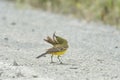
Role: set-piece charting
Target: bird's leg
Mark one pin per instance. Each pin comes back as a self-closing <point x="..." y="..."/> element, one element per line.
<point x="52" y="59"/>
<point x="59" y="59"/>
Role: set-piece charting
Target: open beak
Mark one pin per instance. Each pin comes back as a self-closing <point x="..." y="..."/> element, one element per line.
<point x="54" y="37"/>
<point x="54" y="34"/>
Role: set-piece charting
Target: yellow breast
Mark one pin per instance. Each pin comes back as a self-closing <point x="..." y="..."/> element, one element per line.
<point x="59" y="53"/>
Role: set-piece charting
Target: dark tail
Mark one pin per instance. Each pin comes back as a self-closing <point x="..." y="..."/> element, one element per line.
<point x="41" y="55"/>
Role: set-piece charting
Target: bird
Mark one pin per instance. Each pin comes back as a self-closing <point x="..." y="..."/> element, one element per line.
<point x="60" y="46"/>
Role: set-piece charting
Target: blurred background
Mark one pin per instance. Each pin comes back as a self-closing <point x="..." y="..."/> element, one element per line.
<point x="107" y="11"/>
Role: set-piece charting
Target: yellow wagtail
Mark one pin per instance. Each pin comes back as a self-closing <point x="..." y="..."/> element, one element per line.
<point x="60" y="45"/>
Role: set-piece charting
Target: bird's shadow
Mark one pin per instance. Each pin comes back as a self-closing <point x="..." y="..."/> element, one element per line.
<point x="55" y="63"/>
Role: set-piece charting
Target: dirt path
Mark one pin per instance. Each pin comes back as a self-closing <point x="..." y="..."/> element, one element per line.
<point x="93" y="54"/>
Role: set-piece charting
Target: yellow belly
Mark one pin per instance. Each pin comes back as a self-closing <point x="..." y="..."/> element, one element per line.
<point x="59" y="53"/>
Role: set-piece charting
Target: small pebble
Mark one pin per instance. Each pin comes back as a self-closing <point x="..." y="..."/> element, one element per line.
<point x="13" y="23"/>
<point x="6" y="39"/>
<point x="33" y="30"/>
<point x="35" y="76"/>
<point x="73" y="68"/>
<point x="20" y="74"/>
<point x="116" y="46"/>
<point x="15" y="63"/>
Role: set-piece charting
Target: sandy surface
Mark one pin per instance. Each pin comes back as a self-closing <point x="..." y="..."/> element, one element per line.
<point x="94" y="52"/>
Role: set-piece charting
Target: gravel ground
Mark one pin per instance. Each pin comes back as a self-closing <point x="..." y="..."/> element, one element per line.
<point x="94" y="52"/>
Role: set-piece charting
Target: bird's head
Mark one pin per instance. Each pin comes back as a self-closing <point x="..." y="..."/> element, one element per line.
<point x="59" y="39"/>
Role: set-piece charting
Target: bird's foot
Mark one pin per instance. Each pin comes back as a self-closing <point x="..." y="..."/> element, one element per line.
<point x="61" y="63"/>
<point x="52" y="62"/>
